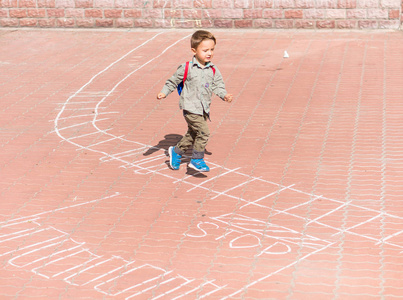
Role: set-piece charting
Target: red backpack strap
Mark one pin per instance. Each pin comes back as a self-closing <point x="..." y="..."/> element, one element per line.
<point x="185" y="75"/>
<point x="213" y="70"/>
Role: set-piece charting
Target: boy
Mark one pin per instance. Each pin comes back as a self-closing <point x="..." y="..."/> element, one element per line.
<point x="202" y="79"/>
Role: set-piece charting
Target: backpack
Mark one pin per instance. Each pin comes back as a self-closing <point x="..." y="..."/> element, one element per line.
<point x="185" y="75"/>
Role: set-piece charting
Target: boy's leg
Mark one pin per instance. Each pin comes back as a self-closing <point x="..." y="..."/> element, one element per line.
<point x="199" y="126"/>
<point x="186" y="141"/>
<point x="175" y="153"/>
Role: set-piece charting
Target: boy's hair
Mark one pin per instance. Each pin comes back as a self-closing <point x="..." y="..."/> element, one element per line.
<point x="199" y="36"/>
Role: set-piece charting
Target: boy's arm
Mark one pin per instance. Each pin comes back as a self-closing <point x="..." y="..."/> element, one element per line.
<point x="219" y="85"/>
<point x="172" y="83"/>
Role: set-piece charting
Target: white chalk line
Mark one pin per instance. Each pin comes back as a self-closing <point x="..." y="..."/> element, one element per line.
<point x="42" y="258"/>
<point x="53" y="259"/>
<point x="86" y="115"/>
<point x="213" y="178"/>
<point x="94" y="77"/>
<point x="273" y="273"/>
<point x="123" y="154"/>
<point x="57" y="129"/>
<point x="23" y="219"/>
<point x="97" y="107"/>
<point x="266" y="196"/>
<point x="200" y="185"/>
<point x="83" y="135"/>
<point x="285" y="211"/>
<point x="235" y="222"/>
<point x="105" y="141"/>
<point x="233" y="188"/>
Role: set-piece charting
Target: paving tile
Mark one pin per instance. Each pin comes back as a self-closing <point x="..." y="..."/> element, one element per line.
<point x="302" y="200"/>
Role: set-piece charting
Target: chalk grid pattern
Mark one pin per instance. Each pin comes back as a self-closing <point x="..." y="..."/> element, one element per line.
<point x="271" y="228"/>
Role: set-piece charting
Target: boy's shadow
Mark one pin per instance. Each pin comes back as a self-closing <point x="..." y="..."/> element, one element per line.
<point x="171" y="140"/>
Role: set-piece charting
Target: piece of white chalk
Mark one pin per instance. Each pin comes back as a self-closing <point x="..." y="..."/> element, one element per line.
<point x="286" y="54"/>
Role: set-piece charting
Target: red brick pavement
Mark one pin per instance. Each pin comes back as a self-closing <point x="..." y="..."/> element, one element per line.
<point x="303" y="200"/>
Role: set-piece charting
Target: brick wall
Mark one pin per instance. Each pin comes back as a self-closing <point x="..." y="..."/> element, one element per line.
<point x="280" y="14"/>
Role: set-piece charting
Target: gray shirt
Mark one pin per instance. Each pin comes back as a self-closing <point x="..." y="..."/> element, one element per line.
<point x="200" y="84"/>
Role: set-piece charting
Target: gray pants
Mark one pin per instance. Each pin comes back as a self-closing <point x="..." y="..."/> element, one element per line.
<point x="197" y="135"/>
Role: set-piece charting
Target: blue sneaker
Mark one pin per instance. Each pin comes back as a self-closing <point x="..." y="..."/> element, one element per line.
<point x="199" y="165"/>
<point x="174" y="158"/>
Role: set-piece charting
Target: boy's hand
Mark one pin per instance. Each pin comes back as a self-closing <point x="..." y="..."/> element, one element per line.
<point x="228" y="98"/>
<point x="161" y="96"/>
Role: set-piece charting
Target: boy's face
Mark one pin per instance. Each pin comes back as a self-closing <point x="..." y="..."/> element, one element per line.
<point x="204" y="52"/>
